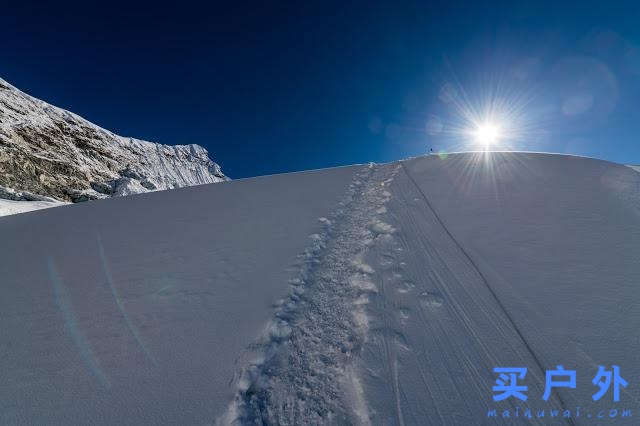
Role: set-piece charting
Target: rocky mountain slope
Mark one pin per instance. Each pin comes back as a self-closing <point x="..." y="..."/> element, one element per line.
<point x="47" y="152"/>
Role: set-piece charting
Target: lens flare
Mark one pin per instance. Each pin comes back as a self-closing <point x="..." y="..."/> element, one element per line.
<point x="490" y="115"/>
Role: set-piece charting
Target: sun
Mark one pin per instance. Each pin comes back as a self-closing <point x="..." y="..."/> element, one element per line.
<point x="487" y="134"/>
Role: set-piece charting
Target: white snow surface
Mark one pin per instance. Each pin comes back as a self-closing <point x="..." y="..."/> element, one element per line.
<point x="374" y="294"/>
<point x="8" y="207"/>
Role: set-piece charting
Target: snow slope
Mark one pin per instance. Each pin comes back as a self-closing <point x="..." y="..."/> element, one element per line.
<point x="376" y="294"/>
<point x="8" y="207"/>
<point x="134" y="310"/>
<point x="556" y="238"/>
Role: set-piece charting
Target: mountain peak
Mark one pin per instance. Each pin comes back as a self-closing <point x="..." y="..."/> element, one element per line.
<point x="51" y="152"/>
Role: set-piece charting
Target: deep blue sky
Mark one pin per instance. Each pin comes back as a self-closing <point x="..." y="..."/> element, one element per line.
<point x="271" y="88"/>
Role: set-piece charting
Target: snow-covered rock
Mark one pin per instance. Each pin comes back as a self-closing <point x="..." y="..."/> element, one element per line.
<point x="51" y="152"/>
<point x="12" y="201"/>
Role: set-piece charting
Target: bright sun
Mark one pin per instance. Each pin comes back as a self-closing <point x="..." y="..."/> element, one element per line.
<point x="487" y="134"/>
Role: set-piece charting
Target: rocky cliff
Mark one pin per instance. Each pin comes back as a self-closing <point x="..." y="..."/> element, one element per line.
<point x="46" y="151"/>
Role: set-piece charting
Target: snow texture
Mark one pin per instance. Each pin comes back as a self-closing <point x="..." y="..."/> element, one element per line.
<point x="375" y="294"/>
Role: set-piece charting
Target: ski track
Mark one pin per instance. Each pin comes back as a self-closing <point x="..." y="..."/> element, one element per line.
<point x="382" y="325"/>
<point x="436" y="330"/>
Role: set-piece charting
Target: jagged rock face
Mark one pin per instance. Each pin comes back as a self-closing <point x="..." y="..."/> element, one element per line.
<point x="48" y="151"/>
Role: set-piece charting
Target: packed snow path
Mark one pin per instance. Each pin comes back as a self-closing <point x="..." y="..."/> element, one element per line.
<point x="306" y="371"/>
<point x="377" y="294"/>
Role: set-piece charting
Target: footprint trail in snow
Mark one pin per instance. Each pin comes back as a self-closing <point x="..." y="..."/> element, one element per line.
<point x="307" y="371"/>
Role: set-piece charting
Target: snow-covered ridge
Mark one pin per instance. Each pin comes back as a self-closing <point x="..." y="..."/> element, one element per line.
<point x="48" y="151"/>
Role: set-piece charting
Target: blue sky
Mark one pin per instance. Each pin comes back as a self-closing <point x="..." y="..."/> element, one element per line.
<point x="271" y="88"/>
